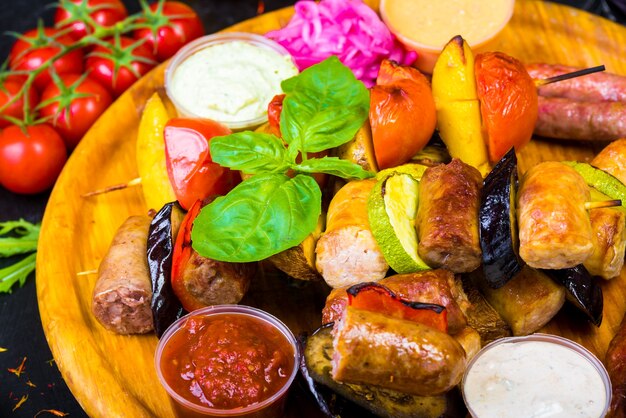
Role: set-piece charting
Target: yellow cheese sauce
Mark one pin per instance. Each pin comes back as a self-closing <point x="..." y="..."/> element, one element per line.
<point x="534" y="379"/>
<point x="230" y="82"/>
<point x="433" y="23"/>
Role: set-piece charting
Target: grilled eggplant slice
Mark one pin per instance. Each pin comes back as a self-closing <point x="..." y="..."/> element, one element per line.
<point x="378" y="401"/>
<point x="498" y="231"/>
<point x="166" y="308"/>
<point x="583" y="291"/>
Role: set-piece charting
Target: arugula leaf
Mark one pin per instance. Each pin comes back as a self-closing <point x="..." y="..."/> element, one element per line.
<point x="17" y="272"/>
<point x="334" y="166"/>
<point x="249" y="152"/>
<point x="259" y="218"/>
<point x="24" y="241"/>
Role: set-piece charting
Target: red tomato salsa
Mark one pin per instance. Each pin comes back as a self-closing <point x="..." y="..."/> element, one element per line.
<point x="227" y="361"/>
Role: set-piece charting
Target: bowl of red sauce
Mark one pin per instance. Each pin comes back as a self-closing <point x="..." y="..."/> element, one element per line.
<point x="227" y="361"/>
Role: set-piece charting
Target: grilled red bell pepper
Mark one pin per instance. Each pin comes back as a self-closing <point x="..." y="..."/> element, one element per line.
<point x="194" y="176"/>
<point x="180" y="257"/>
<point x="274" y="109"/>
<point x="375" y="297"/>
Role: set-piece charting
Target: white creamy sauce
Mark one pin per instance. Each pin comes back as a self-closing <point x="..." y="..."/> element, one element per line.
<point x="232" y="81"/>
<point x="534" y="379"/>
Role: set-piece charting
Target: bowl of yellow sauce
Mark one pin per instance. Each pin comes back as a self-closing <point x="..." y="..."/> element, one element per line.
<point x="426" y="26"/>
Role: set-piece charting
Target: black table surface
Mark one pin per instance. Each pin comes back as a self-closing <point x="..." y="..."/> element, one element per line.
<point x="21" y="332"/>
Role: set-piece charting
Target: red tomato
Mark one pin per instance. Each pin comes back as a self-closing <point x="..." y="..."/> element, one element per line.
<point x="36" y="47"/>
<point x="74" y="13"/>
<point x="189" y="166"/>
<point x="121" y="63"/>
<point x="274" y="109"/>
<point x="31" y="161"/>
<point x="70" y="111"/>
<point x="172" y="25"/>
<point x="15" y="110"/>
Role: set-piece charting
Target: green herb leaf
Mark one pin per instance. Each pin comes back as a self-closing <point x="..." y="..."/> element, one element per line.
<point x="24" y="240"/>
<point x="334" y="166"/>
<point x="249" y="152"/>
<point x="262" y="216"/>
<point x="17" y="272"/>
<point x="326" y="93"/>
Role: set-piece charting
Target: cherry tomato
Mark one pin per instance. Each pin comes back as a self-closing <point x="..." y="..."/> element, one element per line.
<point x="189" y="166"/>
<point x="119" y="64"/>
<point x="31" y="160"/>
<point x="172" y="25"/>
<point x="73" y="109"/>
<point x="36" y="47"/>
<point x="8" y="91"/>
<point x="74" y="13"/>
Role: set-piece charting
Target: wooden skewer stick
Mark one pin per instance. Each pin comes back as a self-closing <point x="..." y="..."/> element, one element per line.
<point x="133" y="182"/>
<point x="567" y="76"/>
<point x="87" y="272"/>
<point x="603" y="204"/>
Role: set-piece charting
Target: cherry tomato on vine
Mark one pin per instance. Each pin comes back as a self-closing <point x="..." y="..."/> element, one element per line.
<point x="73" y="108"/>
<point x="9" y="89"/>
<point x="30" y="160"/>
<point x="172" y="24"/>
<point x="119" y="64"/>
<point x="37" y="46"/>
<point x="76" y="14"/>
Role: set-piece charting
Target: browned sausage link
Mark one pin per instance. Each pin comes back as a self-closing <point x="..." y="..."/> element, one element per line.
<point x="596" y="87"/>
<point x="432" y="286"/>
<point x="121" y="297"/>
<point x="612" y="159"/>
<point x="562" y="118"/>
<point x="347" y="252"/>
<point x="376" y="349"/>
<point x="217" y="282"/>
<point x="616" y="366"/>
<point x="553" y="225"/>
<point x="447" y="217"/>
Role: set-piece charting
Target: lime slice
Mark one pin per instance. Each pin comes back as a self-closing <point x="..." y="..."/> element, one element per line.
<point x="392" y="207"/>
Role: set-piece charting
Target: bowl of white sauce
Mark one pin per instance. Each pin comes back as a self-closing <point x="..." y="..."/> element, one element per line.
<point x="539" y="375"/>
<point x="228" y="77"/>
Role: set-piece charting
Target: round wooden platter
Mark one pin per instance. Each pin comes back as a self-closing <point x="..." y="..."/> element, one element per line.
<point x="113" y="375"/>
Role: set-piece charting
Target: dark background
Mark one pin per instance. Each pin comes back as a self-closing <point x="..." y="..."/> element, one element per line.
<point x="21" y="332"/>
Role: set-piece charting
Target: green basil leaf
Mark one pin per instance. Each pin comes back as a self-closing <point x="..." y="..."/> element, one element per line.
<point x="329" y="88"/>
<point x="250" y="152"/>
<point x="335" y="166"/>
<point x="262" y="216"/>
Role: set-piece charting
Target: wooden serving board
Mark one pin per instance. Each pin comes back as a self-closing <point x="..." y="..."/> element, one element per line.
<point x="113" y="375"/>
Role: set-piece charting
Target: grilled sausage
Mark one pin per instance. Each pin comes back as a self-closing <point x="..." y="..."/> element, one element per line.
<point x="609" y="243"/>
<point x="432" y="286"/>
<point x="527" y="302"/>
<point x="612" y="159"/>
<point x="403" y="355"/>
<point x="596" y="87"/>
<point x="554" y="227"/>
<point x="214" y="282"/>
<point x="123" y="291"/>
<point x="562" y="118"/>
<point x="447" y="217"/>
<point x="615" y="362"/>
<point x="347" y="252"/>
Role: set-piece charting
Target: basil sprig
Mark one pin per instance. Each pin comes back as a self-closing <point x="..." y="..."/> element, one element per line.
<point x="324" y="107"/>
